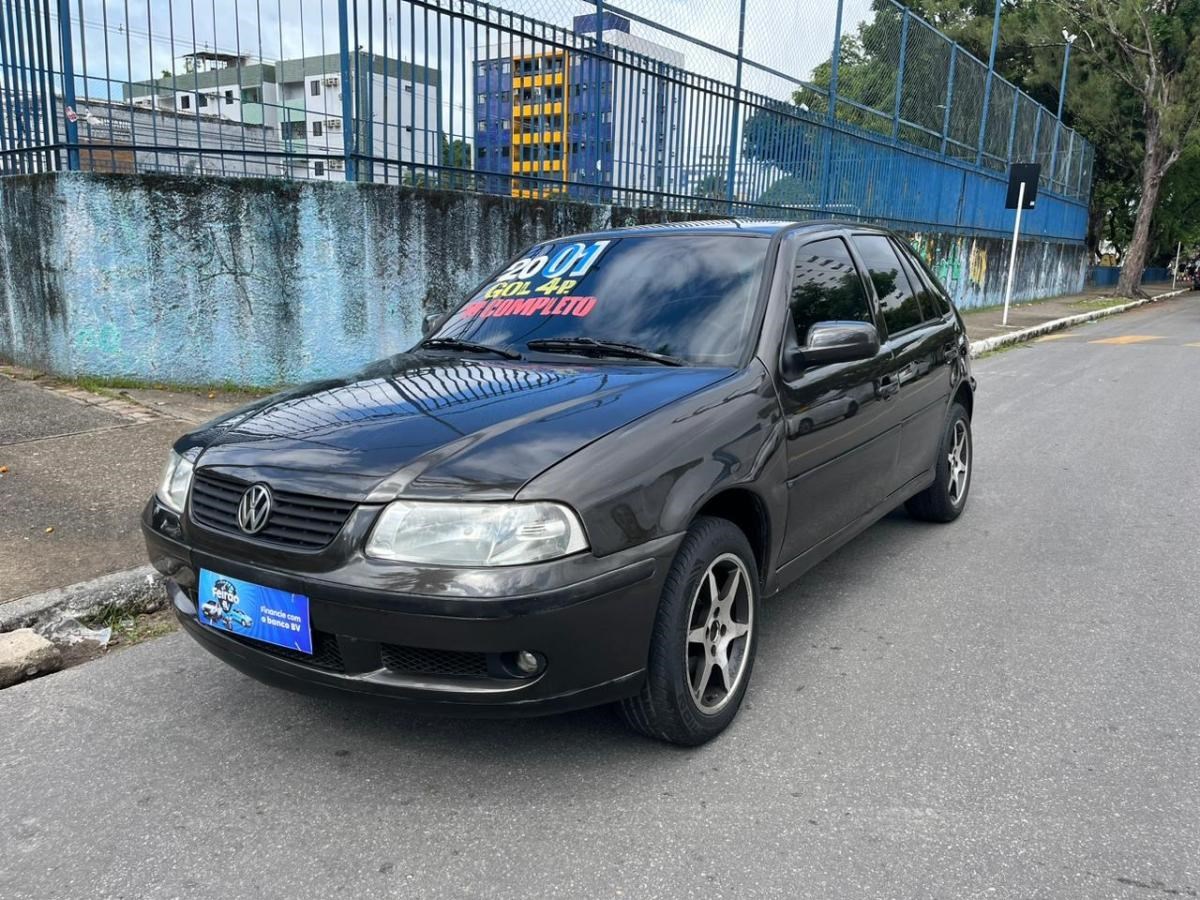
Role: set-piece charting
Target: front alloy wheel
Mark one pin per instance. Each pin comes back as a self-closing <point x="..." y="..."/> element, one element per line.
<point x="719" y="633"/>
<point x="702" y="647"/>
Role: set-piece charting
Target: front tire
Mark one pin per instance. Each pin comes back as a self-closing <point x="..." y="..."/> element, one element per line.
<point x="946" y="498"/>
<point x="704" y="639"/>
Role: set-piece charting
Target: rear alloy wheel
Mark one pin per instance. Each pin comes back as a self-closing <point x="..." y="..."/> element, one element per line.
<point x="702" y="648"/>
<point x="945" y="499"/>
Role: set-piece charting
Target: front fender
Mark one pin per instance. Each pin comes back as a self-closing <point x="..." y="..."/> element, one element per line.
<point x="649" y="479"/>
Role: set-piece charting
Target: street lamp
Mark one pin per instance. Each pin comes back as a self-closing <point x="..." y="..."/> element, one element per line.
<point x="1062" y="86"/>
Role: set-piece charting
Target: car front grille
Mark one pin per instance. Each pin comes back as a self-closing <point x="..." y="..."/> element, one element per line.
<point x="444" y="663"/>
<point x="327" y="654"/>
<point x="299" y="521"/>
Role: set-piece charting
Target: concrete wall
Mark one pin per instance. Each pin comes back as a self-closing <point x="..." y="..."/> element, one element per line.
<point x="974" y="269"/>
<point x="205" y="281"/>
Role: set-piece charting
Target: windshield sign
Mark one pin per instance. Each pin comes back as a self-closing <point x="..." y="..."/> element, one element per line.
<point x="685" y="296"/>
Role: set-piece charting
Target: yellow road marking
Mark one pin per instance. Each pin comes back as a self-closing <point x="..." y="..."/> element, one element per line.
<point x="1054" y="337"/>
<point x="1128" y="339"/>
<point x="1193" y="345"/>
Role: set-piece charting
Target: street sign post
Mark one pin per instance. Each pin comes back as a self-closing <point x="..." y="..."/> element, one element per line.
<point x="1022" y="195"/>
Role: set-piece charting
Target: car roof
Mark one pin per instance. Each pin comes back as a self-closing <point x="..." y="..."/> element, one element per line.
<point x="729" y="226"/>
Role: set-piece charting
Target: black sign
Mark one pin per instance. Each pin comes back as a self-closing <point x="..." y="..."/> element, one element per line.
<point x="1029" y="173"/>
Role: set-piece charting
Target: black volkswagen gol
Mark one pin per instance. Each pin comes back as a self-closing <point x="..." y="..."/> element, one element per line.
<point x="581" y="484"/>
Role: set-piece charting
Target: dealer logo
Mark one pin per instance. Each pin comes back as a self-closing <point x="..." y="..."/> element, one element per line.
<point x="254" y="509"/>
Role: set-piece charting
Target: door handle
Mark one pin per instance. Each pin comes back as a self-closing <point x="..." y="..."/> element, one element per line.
<point x="887" y="386"/>
<point x="951" y="350"/>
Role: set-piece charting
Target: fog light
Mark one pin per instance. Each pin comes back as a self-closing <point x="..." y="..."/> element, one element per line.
<point x="528" y="661"/>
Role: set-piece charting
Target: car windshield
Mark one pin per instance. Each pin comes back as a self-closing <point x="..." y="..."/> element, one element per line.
<point x="687" y="296"/>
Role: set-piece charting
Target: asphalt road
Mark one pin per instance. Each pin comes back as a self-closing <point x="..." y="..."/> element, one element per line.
<point x="1005" y="707"/>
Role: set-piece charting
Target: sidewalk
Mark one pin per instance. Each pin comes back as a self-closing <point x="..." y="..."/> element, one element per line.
<point x="985" y="323"/>
<point x="76" y="466"/>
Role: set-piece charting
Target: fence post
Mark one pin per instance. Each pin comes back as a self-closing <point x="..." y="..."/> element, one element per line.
<point x="736" y="119"/>
<point x="600" y="67"/>
<point x="349" y="122"/>
<point x="987" y="87"/>
<point x="949" y="97"/>
<point x="827" y="144"/>
<point x="1012" y="126"/>
<point x="900" y="73"/>
<point x="68" y="74"/>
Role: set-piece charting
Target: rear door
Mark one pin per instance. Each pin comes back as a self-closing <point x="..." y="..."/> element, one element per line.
<point x="841" y="438"/>
<point x="921" y="339"/>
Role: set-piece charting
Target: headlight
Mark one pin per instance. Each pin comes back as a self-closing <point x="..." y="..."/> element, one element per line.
<point x="176" y="478"/>
<point x="475" y="534"/>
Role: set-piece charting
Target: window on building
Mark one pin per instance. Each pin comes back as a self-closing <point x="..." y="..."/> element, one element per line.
<point x="185" y="102"/>
<point x="606" y="117"/>
<point x="482" y="70"/>
<point x="897" y="300"/>
<point x="505" y="97"/>
<point x="201" y="101"/>
<point x="228" y="97"/>
<point x="505" y="125"/>
<point x="481" y="99"/>
<point x="482" y="154"/>
<point x="505" y="152"/>
<point x="252" y="95"/>
<point x="318" y="168"/>
<point x="314" y="87"/>
<point x="826" y="286"/>
<point x="316" y="128"/>
<point x="481" y="125"/>
<point x="294" y="131"/>
<point x="408" y="88"/>
<point x="505" y="68"/>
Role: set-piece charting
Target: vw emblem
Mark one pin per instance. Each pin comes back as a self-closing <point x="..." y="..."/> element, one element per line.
<point x="254" y="509"/>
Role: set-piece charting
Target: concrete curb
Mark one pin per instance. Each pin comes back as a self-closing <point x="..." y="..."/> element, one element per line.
<point x="987" y="345"/>
<point x="134" y="591"/>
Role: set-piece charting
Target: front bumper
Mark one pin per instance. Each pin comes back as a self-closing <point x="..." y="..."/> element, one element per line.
<point x="441" y="640"/>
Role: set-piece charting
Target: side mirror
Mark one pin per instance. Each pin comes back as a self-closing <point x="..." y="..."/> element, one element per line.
<point x="429" y="323"/>
<point x="835" y="342"/>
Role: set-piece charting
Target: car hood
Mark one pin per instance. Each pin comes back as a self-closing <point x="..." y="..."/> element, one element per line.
<point x="437" y="427"/>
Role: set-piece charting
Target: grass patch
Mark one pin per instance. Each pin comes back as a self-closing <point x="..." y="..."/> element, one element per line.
<point x="98" y="384"/>
<point x="1098" y="303"/>
<point x="137" y="629"/>
<point x="132" y="628"/>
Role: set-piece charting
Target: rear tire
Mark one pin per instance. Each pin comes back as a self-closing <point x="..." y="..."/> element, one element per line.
<point x="946" y="498"/>
<point x="704" y="639"/>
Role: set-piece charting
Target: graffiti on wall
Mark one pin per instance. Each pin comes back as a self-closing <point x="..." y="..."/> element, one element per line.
<point x="960" y="263"/>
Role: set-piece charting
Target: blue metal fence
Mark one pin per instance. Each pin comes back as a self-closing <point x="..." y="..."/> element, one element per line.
<point x="793" y="108"/>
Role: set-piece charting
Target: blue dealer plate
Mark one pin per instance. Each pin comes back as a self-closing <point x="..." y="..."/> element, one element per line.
<point x="254" y="611"/>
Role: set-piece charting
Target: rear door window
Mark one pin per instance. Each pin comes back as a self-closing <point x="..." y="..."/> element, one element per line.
<point x="898" y="301"/>
<point x="826" y="286"/>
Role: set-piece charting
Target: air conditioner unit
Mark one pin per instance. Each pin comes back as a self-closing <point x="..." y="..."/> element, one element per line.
<point x="333" y="124"/>
<point x="332" y="81"/>
<point x="337" y="165"/>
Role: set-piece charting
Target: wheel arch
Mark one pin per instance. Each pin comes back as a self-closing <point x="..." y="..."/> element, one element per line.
<point x="966" y="397"/>
<point x="748" y="511"/>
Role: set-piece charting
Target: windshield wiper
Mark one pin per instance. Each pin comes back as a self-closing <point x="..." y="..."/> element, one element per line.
<point x="469" y="346"/>
<point x="585" y="346"/>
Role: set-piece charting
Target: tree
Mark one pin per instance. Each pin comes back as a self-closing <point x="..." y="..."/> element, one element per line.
<point x="455" y="155"/>
<point x="781" y="134"/>
<point x="1152" y="48"/>
<point x="712" y="193"/>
